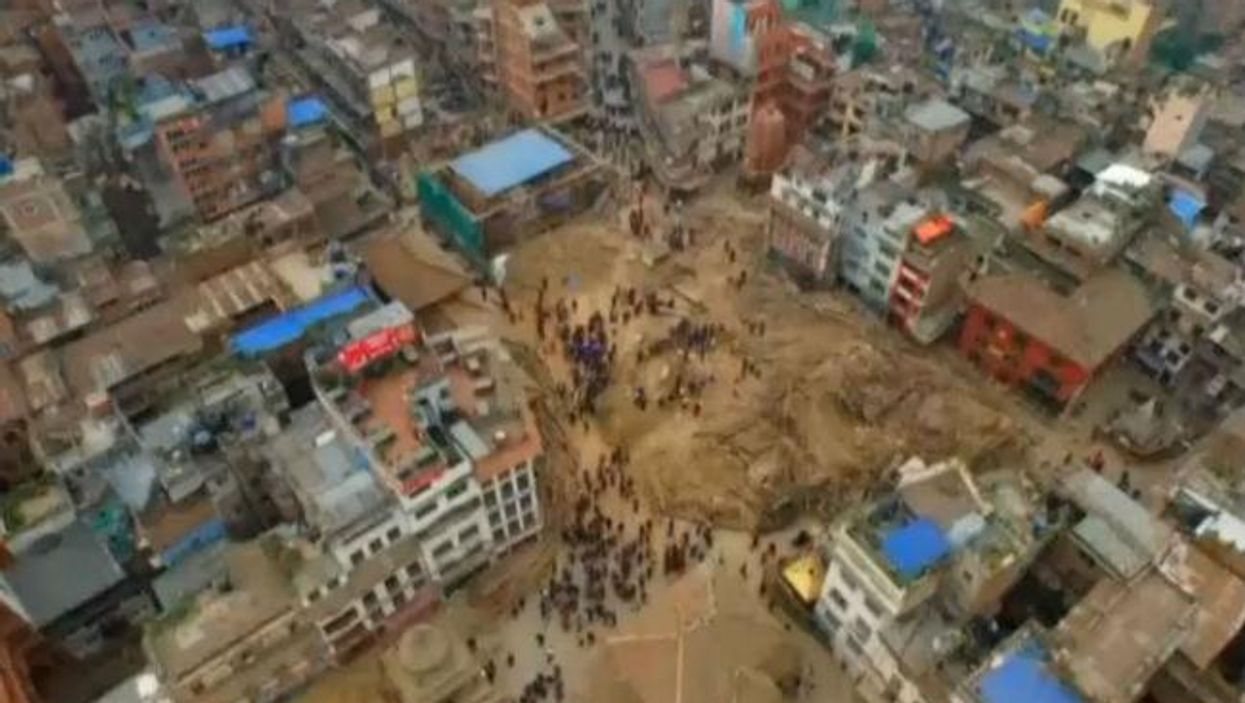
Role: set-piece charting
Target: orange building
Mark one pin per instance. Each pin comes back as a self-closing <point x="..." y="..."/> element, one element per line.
<point x="795" y="70"/>
<point x="540" y="67"/>
<point x="223" y="151"/>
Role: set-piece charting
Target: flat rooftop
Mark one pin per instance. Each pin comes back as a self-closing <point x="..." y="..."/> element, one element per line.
<point x="510" y="162"/>
<point x="1120" y="634"/>
<point x="289" y="326"/>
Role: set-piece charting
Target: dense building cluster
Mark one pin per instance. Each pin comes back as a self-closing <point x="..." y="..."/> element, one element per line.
<point x="266" y="402"/>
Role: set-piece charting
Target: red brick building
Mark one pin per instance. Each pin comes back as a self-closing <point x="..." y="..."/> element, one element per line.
<point x="1025" y="334"/>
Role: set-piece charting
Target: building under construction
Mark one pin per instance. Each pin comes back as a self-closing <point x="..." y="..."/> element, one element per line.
<point x="488" y="199"/>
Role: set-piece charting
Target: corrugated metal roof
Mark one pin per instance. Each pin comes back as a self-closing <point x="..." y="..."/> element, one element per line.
<point x="512" y="161"/>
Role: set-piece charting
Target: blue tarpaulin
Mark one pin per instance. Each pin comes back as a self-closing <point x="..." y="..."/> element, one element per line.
<point x="287" y="327"/>
<point x="1186" y="207"/>
<point x="512" y="161"/>
<point x="305" y="111"/>
<point x="228" y="38"/>
<point x="6" y="166"/>
<point x="1024" y="676"/>
<point x="915" y="547"/>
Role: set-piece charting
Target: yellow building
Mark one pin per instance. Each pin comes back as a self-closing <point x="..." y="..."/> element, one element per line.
<point x="1116" y="29"/>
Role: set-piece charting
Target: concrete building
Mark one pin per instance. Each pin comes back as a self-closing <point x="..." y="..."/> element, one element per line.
<point x="73" y="614"/>
<point x="487" y="199"/>
<point x="1052" y="346"/>
<point x="540" y="66"/>
<point x="939" y="537"/>
<point x="222" y="148"/>
<point x="1092" y="231"/>
<point x="248" y="642"/>
<point x="936" y="129"/>
<point x="1119" y="30"/>
<point x="736" y="27"/>
<point x="444" y="424"/>
<point x="365" y="65"/>
<point x="359" y="572"/>
<point x="807" y="204"/>
<point x="928" y="295"/>
<point x="692" y="122"/>
<point x="879" y="224"/>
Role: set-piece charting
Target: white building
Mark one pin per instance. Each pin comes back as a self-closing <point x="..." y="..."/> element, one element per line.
<point x="429" y="459"/>
<point x="938" y="537"/>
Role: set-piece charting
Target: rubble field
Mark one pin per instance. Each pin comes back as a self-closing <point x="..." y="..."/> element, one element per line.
<point x="836" y="397"/>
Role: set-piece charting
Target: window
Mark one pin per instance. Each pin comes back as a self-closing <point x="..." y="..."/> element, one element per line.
<point x="413" y="569"/>
<point x="423" y="511"/>
<point x="522" y="481"/>
<point x="356" y="558"/>
<point x="443" y="549"/>
<point x="375" y="545"/>
<point x="874" y="608"/>
<point x="313" y="596"/>
<point x="529" y="520"/>
<point x="369" y="599"/>
<point x="837" y="598"/>
<point x="394" y="533"/>
<point x="391" y="583"/>
<point x="525" y="502"/>
<point x="469" y="534"/>
<point x="511" y="510"/>
<point x="513" y="527"/>
<point x="459" y="488"/>
<point x="862" y="629"/>
<point x="499" y="535"/>
<point x="507" y="490"/>
<point x="490" y="498"/>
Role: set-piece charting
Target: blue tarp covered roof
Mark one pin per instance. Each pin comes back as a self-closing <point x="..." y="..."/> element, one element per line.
<point x="1186" y="207"/>
<point x="287" y="327"/>
<point x="305" y="111"/>
<point x="915" y="547"/>
<point x="1024" y="676"/>
<point x="6" y="166"/>
<point x="512" y="161"/>
<point x="228" y="37"/>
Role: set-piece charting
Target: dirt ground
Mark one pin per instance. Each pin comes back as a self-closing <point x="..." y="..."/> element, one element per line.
<point x="836" y="398"/>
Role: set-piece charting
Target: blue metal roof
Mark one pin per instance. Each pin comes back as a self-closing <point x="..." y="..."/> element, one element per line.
<point x="512" y="161"/>
<point x="1024" y="678"/>
<point x="305" y="111"/>
<point x="278" y="331"/>
<point x="228" y="37"/>
<point x="914" y="547"/>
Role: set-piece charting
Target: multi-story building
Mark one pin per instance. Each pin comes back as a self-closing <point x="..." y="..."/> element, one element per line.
<point x="365" y="65"/>
<point x="795" y="70"/>
<point x="936" y="129"/>
<point x="1116" y="30"/>
<point x="879" y="224"/>
<point x="1092" y="231"/>
<point x="1025" y="334"/>
<point x="246" y="642"/>
<point x="443" y="424"/>
<point x="927" y="295"/>
<point x="807" y="202"/>
<point x="692" y="122"/>
<point x="222" y="149"/>
<point x="361" y="571"/>
<point x="941" y="536"/>
<point x="540" y="66"/>
<point x="735" y="30"/>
